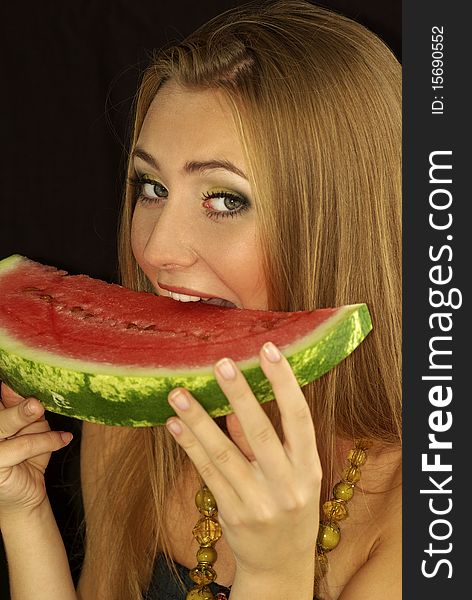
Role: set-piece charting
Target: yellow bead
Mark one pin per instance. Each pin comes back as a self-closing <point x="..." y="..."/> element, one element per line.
<point x="357" y="457"/>
<point x="205" y="502"/>
<point x="328" y="536"/>
<point x="200" y="593"/>
<point x="202" y="574"/>
<point x="343" y="491"/>
<point x="351" y="474"/>
<point x="207" y="531"/>
<point x="335" y="510"/>
<point x="206" y="555"/>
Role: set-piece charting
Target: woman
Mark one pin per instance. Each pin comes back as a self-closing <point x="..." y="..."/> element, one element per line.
<point x="286" y="118"/>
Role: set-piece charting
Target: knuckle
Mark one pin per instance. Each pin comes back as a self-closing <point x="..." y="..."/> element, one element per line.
<point x="207" y="470"/>
<point x="302" y="413"/>
<point x="188" y="443"/>
<point x="265" y="514"/>
<point x="43" y="442"/>
<point x="223" y="456"/>
<point x="263" y="435"/>
<point x="197" y="419"/>
<point x="8" y="396"/>
<point x="239" y="394"/>
<point x="233" y="519"/>
<point x="27" y="443"/>
<point x="295" y="502"/>
<point x="10" y="424"/>
<point x="55" y="439"/>
<point x="312" y="474"/>
<point x="5" y="429"/>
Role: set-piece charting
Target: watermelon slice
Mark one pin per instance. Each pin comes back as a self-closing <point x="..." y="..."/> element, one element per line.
<point x="103" y="353"/>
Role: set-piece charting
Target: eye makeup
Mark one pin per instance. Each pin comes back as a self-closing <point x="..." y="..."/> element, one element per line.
<point x="218" y="203"/>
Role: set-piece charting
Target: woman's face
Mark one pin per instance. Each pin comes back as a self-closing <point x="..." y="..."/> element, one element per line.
<point x="194" y="225"/>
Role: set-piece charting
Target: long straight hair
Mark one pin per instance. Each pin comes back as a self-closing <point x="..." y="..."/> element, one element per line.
<point x="316" y="99"/>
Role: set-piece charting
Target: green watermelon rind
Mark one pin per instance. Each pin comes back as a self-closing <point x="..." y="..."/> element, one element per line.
<point x="137" y="397"/>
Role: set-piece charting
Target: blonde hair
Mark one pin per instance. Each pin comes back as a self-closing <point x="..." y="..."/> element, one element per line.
<point x="316" y="99"/>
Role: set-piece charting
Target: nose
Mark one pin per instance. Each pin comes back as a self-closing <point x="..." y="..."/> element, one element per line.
<point x="171" y="241"/>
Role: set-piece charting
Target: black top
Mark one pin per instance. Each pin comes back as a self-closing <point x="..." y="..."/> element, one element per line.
<point x="164" y="585"/>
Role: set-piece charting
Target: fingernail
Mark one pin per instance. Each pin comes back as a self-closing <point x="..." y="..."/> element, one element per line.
<point x="30" y="408"/>
<point x="271" y="351"/>
<point x="226" y="369"/>
<point x="66" y="436"/>
<point x="174" y="426"/>
<point x="179" y="399"/>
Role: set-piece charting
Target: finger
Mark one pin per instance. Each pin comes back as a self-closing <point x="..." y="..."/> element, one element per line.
<point x="19" y="449"/>
<point x="15" y="418"/>
<point x="225" y="494"/>
<point x="204" y="441"/>
<point x="237" y="435"/>
<point x="41" y="461"/>
<point x="297" y="421"/>
<point x="8" y="396"/>
<point x="256" y="425"/>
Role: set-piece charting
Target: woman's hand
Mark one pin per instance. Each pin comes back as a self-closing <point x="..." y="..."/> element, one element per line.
<point x="267" y="491"/>
<point x="26" y="443"/>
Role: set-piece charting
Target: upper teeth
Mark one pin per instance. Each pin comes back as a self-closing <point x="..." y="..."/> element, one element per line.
<point x="187" y="298"/>
<point x="184" y="297"/>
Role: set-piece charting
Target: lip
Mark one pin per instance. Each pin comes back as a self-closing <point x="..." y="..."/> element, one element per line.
<point x="181" y="290"/>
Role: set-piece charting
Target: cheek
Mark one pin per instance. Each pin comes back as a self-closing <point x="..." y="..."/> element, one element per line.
<point x="139" y="236"/>
<point x="241" y="269"/>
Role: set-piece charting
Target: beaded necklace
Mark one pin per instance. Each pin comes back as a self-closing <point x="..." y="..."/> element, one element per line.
<point x="207" y="530"/>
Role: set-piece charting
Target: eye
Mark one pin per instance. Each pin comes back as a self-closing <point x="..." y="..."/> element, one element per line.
<point x="148" y="189"/>
<point x="224" y="204"/>
<point x="152" y="189"/>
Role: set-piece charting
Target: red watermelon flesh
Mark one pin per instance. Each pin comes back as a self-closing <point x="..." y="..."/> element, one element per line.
<point x="88" y="319"/>
<point x="104" y="353"/>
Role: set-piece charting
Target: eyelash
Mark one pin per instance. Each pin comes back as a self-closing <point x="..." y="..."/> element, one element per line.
<point x="139" y="182"/>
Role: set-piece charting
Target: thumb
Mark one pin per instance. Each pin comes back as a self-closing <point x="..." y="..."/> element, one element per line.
<point x="237" y="435"/>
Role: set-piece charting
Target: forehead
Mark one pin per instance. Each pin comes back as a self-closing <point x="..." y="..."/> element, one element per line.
<point x="197" y="119"/>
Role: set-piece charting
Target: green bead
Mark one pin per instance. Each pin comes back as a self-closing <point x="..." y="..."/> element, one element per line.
<point x="206" y="555"/>
<point x="205" y="502"/>
<point x="200" y="593"/>
<point x="328" y="536"/>
<point x="343" y="491"/>
<point x="202" y="574"/>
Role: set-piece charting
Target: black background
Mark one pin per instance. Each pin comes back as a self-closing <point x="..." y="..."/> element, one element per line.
<point x="424" y="133"/>
<point x="69" y="72"/>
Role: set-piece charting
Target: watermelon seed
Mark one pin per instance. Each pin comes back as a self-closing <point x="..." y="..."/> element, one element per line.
<point x="77" y="309"/>
<point x="46" y="297"/>
<point x="30" y="289"/>
<point x="150" y="328"/>
<point x="132" y="326"/>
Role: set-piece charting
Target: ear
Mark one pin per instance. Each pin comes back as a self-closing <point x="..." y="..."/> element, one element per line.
<point x="237" y="435"/>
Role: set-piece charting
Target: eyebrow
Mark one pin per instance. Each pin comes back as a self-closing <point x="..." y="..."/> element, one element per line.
<point x="191" y="166"/>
